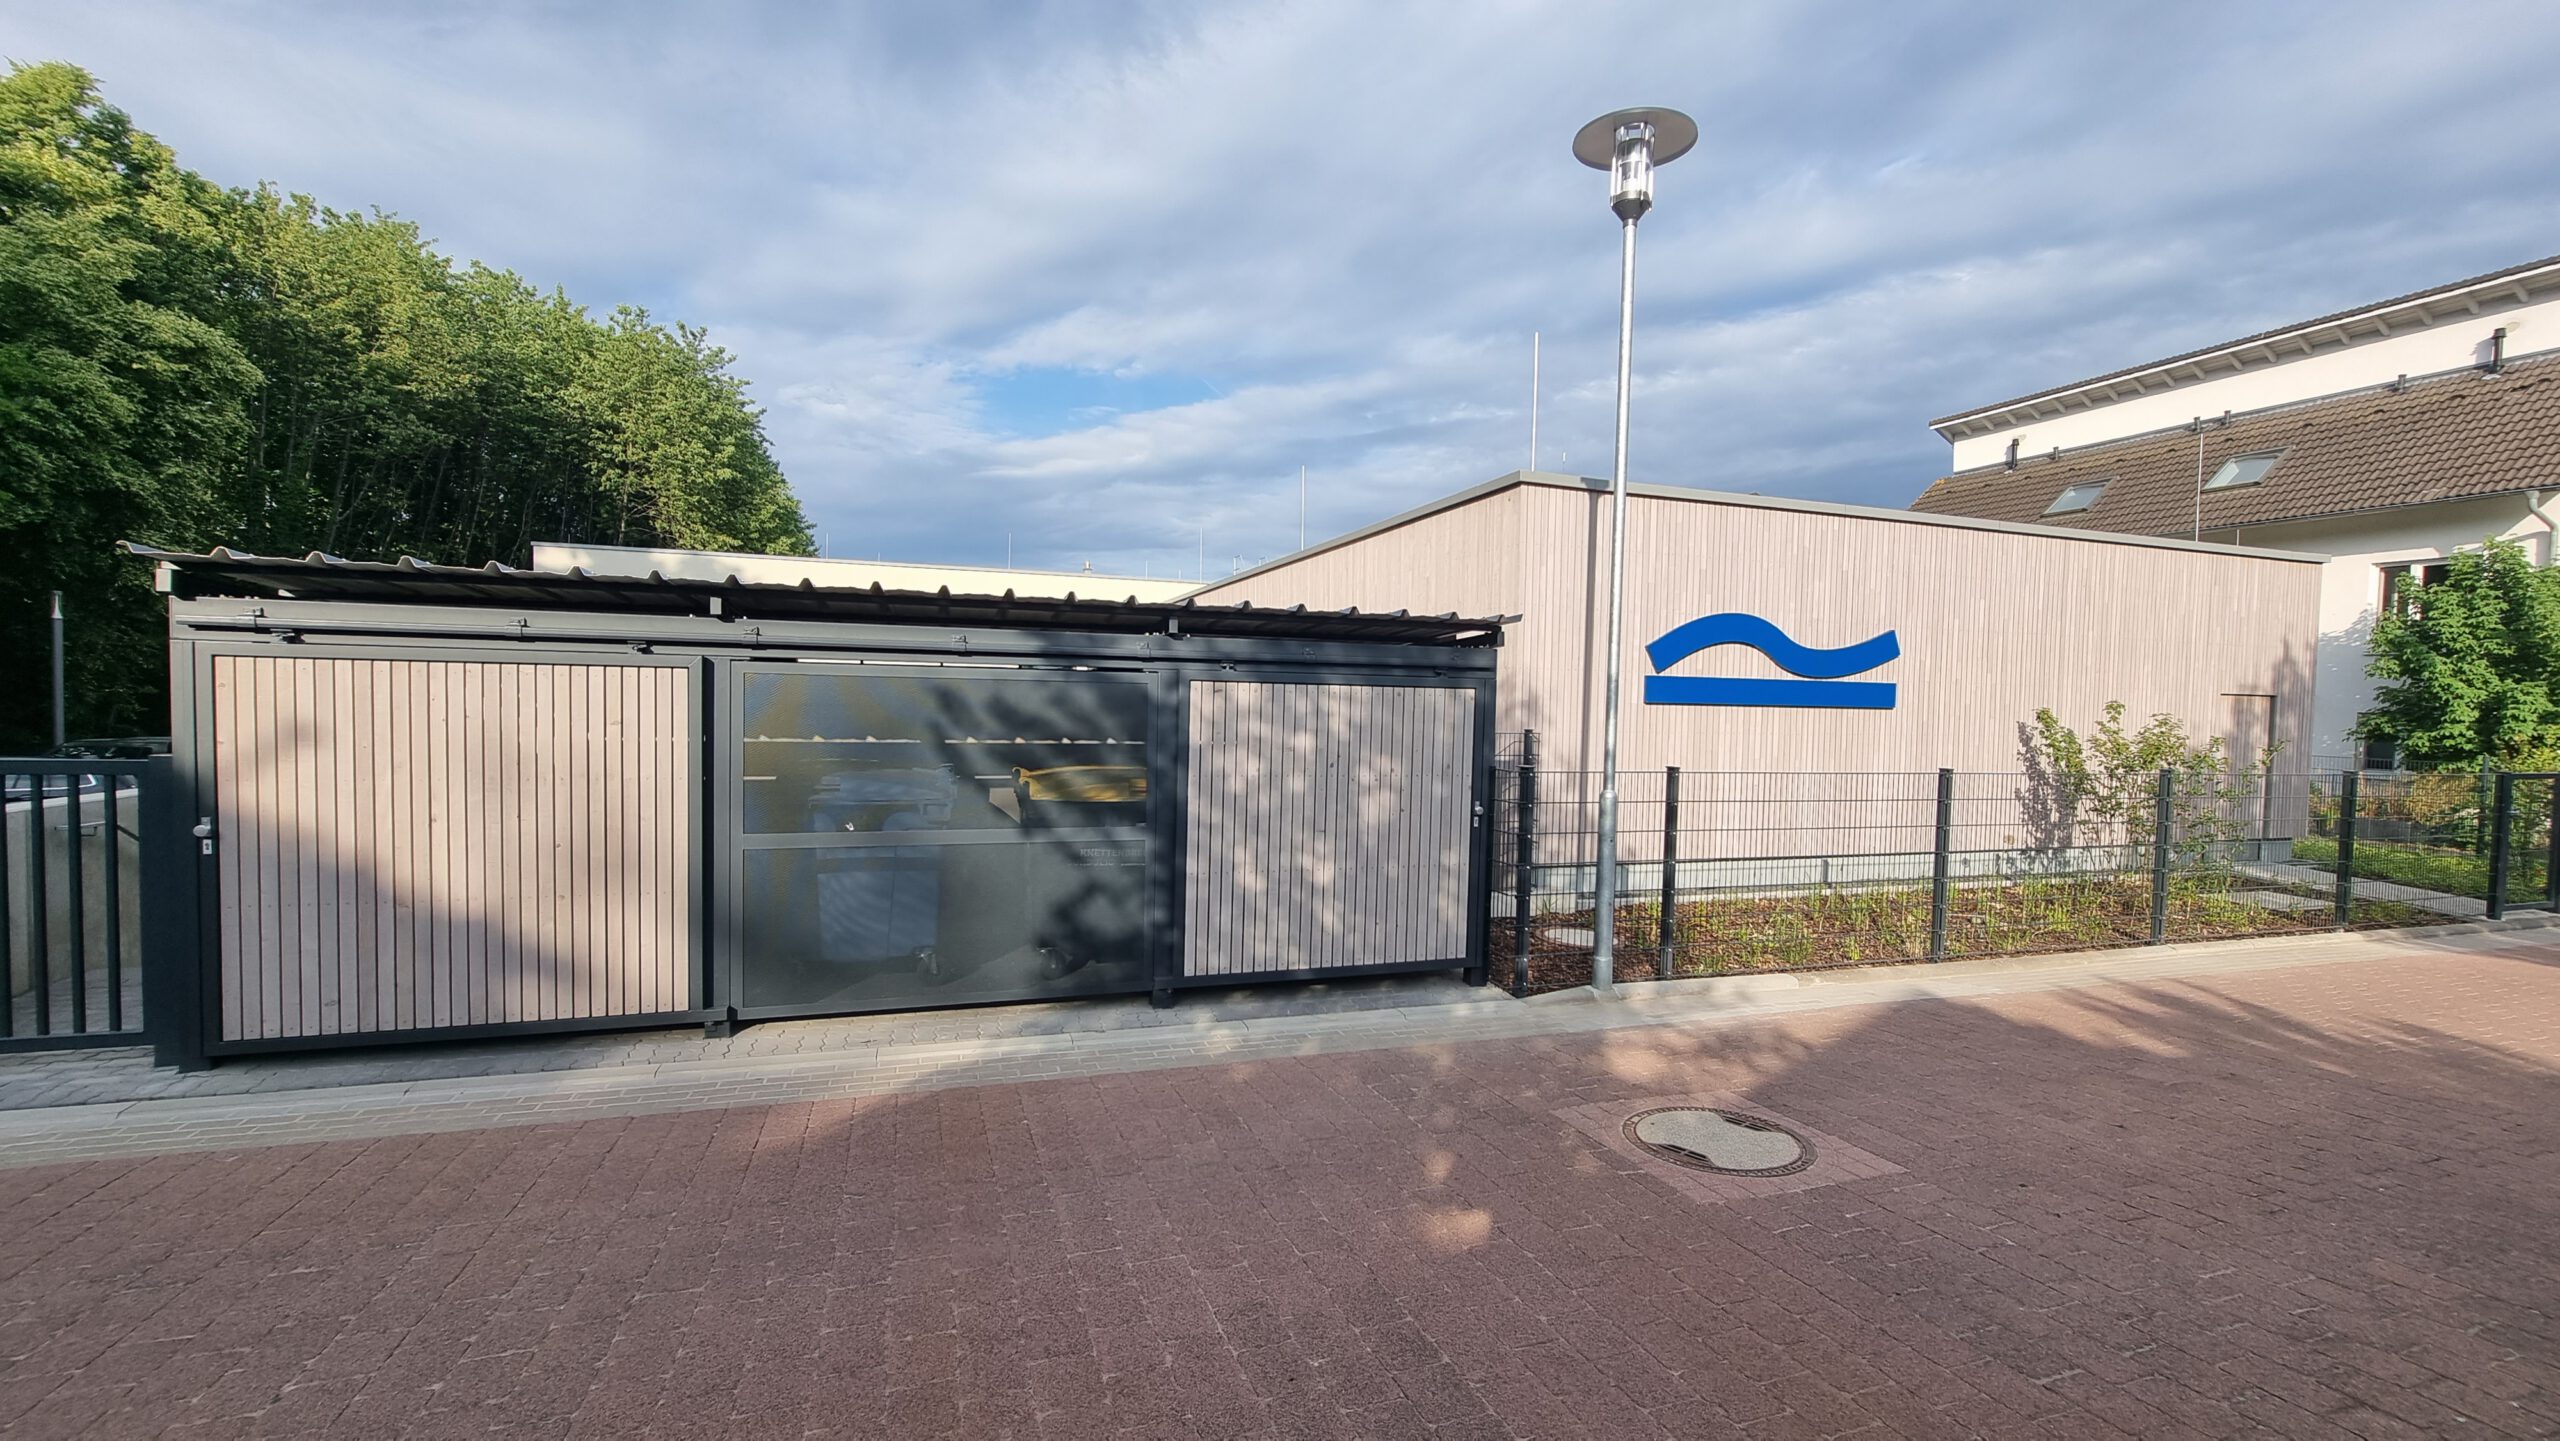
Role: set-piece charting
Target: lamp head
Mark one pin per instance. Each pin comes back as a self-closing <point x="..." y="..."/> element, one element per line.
<point x="1629" y="144"/>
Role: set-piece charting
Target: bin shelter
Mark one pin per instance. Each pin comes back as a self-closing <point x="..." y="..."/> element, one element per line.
<point x="438" y="801"/>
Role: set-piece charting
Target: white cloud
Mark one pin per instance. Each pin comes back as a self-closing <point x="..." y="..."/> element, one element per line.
<point x="1352" y="215"/>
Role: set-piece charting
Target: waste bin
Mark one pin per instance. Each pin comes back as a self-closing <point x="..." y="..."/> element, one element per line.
<point x="879" y="903"/>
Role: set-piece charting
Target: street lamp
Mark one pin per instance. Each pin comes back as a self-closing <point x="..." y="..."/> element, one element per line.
<point x="1628" y="144"/>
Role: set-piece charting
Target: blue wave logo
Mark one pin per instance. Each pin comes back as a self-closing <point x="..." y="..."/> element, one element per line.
<point x="1822" y="689"/>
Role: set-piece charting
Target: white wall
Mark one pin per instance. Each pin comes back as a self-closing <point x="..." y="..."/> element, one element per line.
<point x="2448" y="344"/>
<point x="2351" y="591"/>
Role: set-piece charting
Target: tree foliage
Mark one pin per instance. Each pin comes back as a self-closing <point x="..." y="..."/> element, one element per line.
<point x="2104" y="788"/>
<point x="193" y="366"/>
<point x="2473" y="666"/>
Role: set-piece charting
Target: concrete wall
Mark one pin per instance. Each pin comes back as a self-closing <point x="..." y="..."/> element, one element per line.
<point x="1994" y="621"/>
<point x="2351" y="591"/>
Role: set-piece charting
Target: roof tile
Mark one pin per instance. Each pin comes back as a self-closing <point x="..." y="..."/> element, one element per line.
<point x="2447" y="437"/>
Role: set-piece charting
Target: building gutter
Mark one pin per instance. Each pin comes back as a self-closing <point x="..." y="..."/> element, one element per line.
<point x="2550" y="527"/>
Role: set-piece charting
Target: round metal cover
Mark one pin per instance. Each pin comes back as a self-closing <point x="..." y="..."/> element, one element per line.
<point x="1729" y="1143"/>
<point x="1596" y="144"/>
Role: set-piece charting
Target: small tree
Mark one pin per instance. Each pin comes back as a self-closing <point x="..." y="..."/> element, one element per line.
<point x="2473" y="666"/>
<point x="2107" y="783"/>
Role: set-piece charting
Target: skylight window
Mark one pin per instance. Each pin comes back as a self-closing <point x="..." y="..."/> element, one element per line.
<point x="2077" y="497"/>
<point x="2242" y="470"/>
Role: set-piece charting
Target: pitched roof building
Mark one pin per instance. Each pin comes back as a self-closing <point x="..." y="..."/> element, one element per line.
<point x="2386" y="437"/>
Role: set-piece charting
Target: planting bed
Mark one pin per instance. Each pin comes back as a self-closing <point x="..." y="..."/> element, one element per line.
<point x="1849" y="926"/>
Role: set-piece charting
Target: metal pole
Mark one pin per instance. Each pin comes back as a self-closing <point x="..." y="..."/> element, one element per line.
<point x="58" y="732"/>
<point x="1667" y="927"/>
<point x="2160" y="838"/>
<point x="113" y="832"/>
<point x="8" y="932"/>
<point x="2199" y="492"/>
<point x="1939" y="848"/>
<point x="2346" y="887"/>
<point x="1525" y="863"/>
<point x="2503" y="811"/>
<point x="76" y="892"/>
<point x="2551" y="852"/>
<point x="39" y="944"/>
<point x="1604" y="947"/>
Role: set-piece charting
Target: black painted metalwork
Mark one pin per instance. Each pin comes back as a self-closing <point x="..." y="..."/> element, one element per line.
<point x="1666" y="941"/>
<point x="2502" y="821"/>
<point x="2161" y="838"/>
<point x="50" y="970"/>
<point x="1941" y="847"/>
<point x="1524" y="864"/>
<point x="317" y="577"/>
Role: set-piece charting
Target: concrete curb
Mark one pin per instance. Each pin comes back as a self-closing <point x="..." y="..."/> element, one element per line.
<point x="146" y="1127"/>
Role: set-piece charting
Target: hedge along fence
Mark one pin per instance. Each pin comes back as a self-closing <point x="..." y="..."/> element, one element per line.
<point x="1733" y="872"/>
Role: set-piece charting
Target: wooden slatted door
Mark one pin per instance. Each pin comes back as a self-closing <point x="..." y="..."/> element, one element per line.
<point x="1330" y="826"/>
<point x="415" y="844"/>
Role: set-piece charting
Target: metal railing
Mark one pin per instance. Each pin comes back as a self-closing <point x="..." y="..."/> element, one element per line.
<point x="1727" y="872"/>
<point x="76" y="903"/>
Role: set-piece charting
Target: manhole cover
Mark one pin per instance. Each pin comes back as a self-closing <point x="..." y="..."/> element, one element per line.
<point x="1729" y="1143"/>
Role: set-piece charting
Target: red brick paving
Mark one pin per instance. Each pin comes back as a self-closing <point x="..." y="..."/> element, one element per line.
<point x="2310" y="1202"/>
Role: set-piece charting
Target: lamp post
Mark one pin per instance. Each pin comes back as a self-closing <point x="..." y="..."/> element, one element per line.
<point x="1628" y="144"/>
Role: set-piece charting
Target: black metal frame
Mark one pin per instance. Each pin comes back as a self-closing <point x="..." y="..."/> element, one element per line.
<point x="1477" y="678"/>
<point x="728" y="795"/>
<point x="114" y="1027"/>
<point x="718" y="651"/>
<point x="191" y="743"/>
<point x="2502" y="848"/>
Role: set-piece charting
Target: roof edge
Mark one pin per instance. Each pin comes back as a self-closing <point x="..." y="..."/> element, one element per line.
<point x="1553" y="480"/>
<point x="2530" y="359"/>
<point x="761" y="555"/>
<point x="2547" y="268"/>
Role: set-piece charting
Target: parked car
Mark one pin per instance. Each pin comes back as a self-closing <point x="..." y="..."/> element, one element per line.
<point x="24" y="787"/>
<point x="114" y="748"/>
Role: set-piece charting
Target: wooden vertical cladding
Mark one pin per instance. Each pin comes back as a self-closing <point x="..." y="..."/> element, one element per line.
<point x="419" y="843"/>
<point x="1329" y="826"/>
<point x="1993" y="622"/>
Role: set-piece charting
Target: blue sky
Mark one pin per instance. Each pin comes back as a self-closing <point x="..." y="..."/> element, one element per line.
<point x="1104" y="277"/>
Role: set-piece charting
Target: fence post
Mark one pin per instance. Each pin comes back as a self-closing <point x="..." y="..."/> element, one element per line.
<point x="2160" y="838"/>
<point x="39" y="944"/>
<point x="2345" y="889"/>
<point x="174" y="993"/>
<point x="1938" y="848"/>
<point x="2480" y="831"/>
<point x="2551" y="852"/>
<point x="2501" y="814"/>
<point x="1668" y="925"/>
<point x="1524" y="862"/>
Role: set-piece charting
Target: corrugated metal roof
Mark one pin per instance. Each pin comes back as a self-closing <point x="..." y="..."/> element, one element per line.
<point x="318" y="576"/>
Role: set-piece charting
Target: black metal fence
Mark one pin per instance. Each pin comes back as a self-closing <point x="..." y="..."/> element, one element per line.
<point x="1725" y="872"/>
<point x="79" y="858"/>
